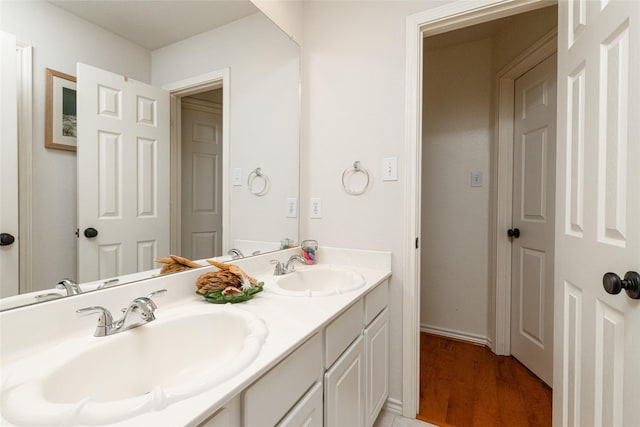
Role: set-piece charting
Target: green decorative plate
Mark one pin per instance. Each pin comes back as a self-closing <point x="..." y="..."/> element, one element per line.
<point x="216" y="297"/>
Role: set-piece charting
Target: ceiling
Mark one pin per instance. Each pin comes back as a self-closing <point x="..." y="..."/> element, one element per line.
<point x="153" y="24"/>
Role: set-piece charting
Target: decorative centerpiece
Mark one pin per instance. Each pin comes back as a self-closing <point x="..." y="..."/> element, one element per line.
<point x="228" y="284"/>
<point x="174" y="263"/>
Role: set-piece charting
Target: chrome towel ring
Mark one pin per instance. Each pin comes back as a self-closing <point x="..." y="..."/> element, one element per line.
<point x="349" y="173"/>
<point x="258" y="190"/>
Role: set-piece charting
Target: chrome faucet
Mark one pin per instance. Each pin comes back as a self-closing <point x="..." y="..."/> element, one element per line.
<point x="287" y="268"/>
<point x="70" y="286"/>
<point x="235" y="253"/>
<point x="140" y="311"/>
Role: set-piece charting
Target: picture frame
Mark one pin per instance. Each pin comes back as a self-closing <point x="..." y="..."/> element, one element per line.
<point x="60" y="111"/>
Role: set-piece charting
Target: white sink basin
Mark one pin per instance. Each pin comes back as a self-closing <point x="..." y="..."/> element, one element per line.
<point x="104" y="380"/>
<point x="317" y="280"/>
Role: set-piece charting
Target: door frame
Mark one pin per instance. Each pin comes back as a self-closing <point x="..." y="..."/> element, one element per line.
<point x="503" y="203"/>
<point x="177" y="90"/>
<point x="430" y="22"/>
<point x="25" y="164"/>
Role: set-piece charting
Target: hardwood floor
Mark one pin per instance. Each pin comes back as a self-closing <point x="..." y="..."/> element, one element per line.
<point x="463" y="384"/>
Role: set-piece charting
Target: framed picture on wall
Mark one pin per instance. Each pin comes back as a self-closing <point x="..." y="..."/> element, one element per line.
<point x="60" y="111"/>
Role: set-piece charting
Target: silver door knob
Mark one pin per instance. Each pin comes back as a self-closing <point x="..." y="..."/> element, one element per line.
<point x="613" y="284"/>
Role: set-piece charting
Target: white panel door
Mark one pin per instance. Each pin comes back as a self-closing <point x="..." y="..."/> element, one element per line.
<point x="201" y="182"/>
<point x="9" y="252"/>
<point x="533" y="215"/>
<point x="597" y="335"/>
<point x="123" y="158"/>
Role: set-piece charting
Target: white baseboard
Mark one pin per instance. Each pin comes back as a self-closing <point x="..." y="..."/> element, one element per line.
<point x="463" y="336"/>
<point x="393" y="406"/>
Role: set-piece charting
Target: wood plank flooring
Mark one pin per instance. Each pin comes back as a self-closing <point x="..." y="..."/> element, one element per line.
<point x="466" y="385"/>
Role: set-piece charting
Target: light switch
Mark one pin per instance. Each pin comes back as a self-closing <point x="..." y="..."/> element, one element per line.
<point x="292" y="207"/>
<point x="476" y="179"/>
<point x="316" y="207"/>
<point x="236" y="177"/>
<point x="390" y="169"/>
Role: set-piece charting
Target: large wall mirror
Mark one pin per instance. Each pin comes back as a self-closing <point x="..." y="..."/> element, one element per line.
<point x="228" y="185"/>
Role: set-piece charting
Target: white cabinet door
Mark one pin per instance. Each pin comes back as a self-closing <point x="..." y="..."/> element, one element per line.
<point x="344" y="388"/>
<point x="308" y="412"/>
<point x="9" y="253"/>
<point x="376" y="338"/>
<point x="597" y="335"/>
<point x="123" y="150"/>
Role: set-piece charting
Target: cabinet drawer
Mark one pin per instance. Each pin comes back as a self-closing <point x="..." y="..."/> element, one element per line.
<point x="308" y="412"/>
<point x="267" y="400"/>
<point x="375" y="301"/>
<point x="342" y="331"/>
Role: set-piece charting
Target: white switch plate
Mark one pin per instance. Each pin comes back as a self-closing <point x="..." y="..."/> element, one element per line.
<point x="316" y="207"/>
<point x="390" y="169"/>
<point x="292" y="207"/>
<point x="476" y="179"/>
<point x="236" y="177"/>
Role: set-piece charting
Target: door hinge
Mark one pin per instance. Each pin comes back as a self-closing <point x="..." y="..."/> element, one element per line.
<point x="417" y="242"/>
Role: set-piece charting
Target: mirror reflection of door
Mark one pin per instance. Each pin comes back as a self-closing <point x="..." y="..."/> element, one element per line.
<point x="123" y="145"/>
<point x="9" y="251"/>
<point x="201" y="216"/>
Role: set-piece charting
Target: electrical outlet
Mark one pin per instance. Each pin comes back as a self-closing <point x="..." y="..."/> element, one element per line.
<point x="292" y="207"/>
<point x="316" y="207"/>
<point x="390" y="169"/>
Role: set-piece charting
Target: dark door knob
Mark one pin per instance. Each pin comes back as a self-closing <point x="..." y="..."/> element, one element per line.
<point x="90" y="232"/>
<point x="6" y="239"/>
<point x="613" y="284"/>
<point x="513" y="232"/>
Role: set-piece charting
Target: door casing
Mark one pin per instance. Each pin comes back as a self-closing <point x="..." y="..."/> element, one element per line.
<point x="431" y="22"/>
<point x="177" y="90"/>
<point x="502" y="197"/>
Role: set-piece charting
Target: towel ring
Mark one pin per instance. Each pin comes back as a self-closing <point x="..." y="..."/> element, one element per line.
<point x="257" y="174"/>
<point x="348" y="173"/>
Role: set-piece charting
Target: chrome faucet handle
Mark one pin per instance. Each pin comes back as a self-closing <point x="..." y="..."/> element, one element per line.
<point x="279" y="268"/>
<point x="143" y="308"/>
<point x="70" y="286"/>
<point x="290" y="266"/>
<point x="105" y="321"/>
<point x="158" y="293"/>
<point x="108" y="283"/>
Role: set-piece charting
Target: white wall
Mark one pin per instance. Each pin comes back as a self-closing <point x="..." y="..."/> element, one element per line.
<point x="455" y="216"/>
<point x="59" y="40"/>
<point x="353" y="109"/>
<point x="286" y="14"/>
<point x="264" y="109"/>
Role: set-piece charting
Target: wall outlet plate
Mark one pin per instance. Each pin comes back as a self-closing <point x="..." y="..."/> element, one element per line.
<point x="316" y="207"/>
<point x="236" y="177"/>
<point x="476" y="179"/>
<point x="292" y="207"/>
<point x="390" y="169"/>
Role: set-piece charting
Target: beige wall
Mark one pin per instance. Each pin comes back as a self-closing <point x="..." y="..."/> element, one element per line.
<point x="455" y="216"/>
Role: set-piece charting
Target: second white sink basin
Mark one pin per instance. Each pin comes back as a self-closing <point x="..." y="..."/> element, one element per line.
<point x="317" y="280"/>
<point x="108" y="379"/>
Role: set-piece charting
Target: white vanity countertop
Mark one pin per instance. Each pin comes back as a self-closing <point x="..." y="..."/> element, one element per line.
<point x="290" y="321"/>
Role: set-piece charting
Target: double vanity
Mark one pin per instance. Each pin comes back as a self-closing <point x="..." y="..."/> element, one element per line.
<point x="310" y="349"/>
